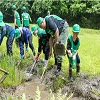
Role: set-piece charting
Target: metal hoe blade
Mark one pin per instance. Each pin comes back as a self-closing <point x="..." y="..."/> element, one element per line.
<point x="29" y="74"/>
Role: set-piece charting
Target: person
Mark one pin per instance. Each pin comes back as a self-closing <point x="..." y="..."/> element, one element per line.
<point x="73" y="44"/>
<point x="56" y="28"/>
<point x="24" y="35"/>
<point x="17" y="22"/>
<point x="43" y="43"/>
<point x="25" y="18"/>
<point x="8" y="31"/>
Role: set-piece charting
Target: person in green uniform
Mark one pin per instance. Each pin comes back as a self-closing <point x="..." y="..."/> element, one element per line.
<point x="43" y="43"/>
<point x="56" y="28"/>
<point x="73" y="44"/>
<point x="25" y="18"/>
<point x="17" y="22"/>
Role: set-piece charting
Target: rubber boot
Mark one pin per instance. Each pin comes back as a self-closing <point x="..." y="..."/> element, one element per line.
<point x="45" y="63"/>
<point x="78" y="70"/>
<point x="58" y="68"/>
<point x="70" y="75"/>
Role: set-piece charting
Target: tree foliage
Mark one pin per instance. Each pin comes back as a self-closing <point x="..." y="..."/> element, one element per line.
<point x="67" y="9"/>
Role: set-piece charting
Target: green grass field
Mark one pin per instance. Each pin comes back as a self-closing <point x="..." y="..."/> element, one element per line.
<point x="89" y="53"/>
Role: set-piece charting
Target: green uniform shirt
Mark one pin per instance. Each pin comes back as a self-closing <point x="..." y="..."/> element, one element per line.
<point x="16" y="14"/>
<point x="42" y="35"/>
<point x="74" y="48"/>
<point x="25" y="19"/>
<point x="54" y="23"/>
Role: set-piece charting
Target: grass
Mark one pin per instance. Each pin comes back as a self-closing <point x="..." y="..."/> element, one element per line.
<point x="89" y="53"/>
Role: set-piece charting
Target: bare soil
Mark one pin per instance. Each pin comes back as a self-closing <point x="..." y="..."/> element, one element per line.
<point x="82" y="88"/>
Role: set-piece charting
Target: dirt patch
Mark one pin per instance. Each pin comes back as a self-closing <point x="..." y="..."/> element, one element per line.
<point x="83" y="87"/>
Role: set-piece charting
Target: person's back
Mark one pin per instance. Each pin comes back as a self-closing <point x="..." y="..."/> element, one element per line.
<point x="9" y="29"/>
<point x="25" y="19"/>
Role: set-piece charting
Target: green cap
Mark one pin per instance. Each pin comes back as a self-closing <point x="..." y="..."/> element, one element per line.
<point x="39" y="21"/>
<point x="76" y="28"/>
<point x="33" y="28"/>
<point x="1" y="19"/>
<point x="13" y="7"/>
<point x="23" y="8"/>
<point x="17" y="33"/>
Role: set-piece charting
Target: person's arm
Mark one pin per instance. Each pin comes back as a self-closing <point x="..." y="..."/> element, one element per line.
<point x="22" y="20"/>
<point x="56" y="35"/>
<point x="69" y="48"/>
<point x="39" y="45"/>
<point x="51" y="45"/>
<point x="14" y="20"/>
<point x="68" y="45"/>
<point x="3" y="33"/>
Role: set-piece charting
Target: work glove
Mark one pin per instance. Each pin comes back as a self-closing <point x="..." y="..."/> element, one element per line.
<point x="74" y="56"/>
<point x="69" y="53"/>
<point x="27" y="49"/>
<point x="37" y="57"/>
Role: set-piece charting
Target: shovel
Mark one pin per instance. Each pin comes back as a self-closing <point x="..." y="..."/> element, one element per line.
<point x="59" y="49"/>
<point x="28" y="75"/>
<point x="4" y="76"/>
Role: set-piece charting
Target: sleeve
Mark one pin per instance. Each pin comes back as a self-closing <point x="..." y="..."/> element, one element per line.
<point x="39" y="44"/>
<point x="68" y="45"/>
<point x="3" y="33"/>
<point x="52" y="25"/>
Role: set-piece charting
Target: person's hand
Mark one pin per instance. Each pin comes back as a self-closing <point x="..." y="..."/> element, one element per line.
<point x="26" y="49"/>
<point x="69" y="53"/>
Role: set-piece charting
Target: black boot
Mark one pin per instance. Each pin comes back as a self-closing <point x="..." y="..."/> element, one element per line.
<point x="70" y="75"/>
<point x="78" y="70"/>
<point x="58" y="68"/>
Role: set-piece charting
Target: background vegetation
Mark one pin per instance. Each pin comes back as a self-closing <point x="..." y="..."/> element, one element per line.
<point x="84" y="12"/>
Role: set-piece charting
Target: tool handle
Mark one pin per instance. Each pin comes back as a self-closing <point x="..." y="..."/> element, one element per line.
<point x="4" y="71"/>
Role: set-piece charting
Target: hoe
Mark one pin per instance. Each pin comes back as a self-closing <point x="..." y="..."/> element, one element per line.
<point x="4" y="76"/>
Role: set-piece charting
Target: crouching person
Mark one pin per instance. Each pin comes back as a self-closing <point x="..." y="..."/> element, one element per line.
<point x="73" y="44"/>
<point x="43" y="43"/>
<point x="24" y="35"/>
